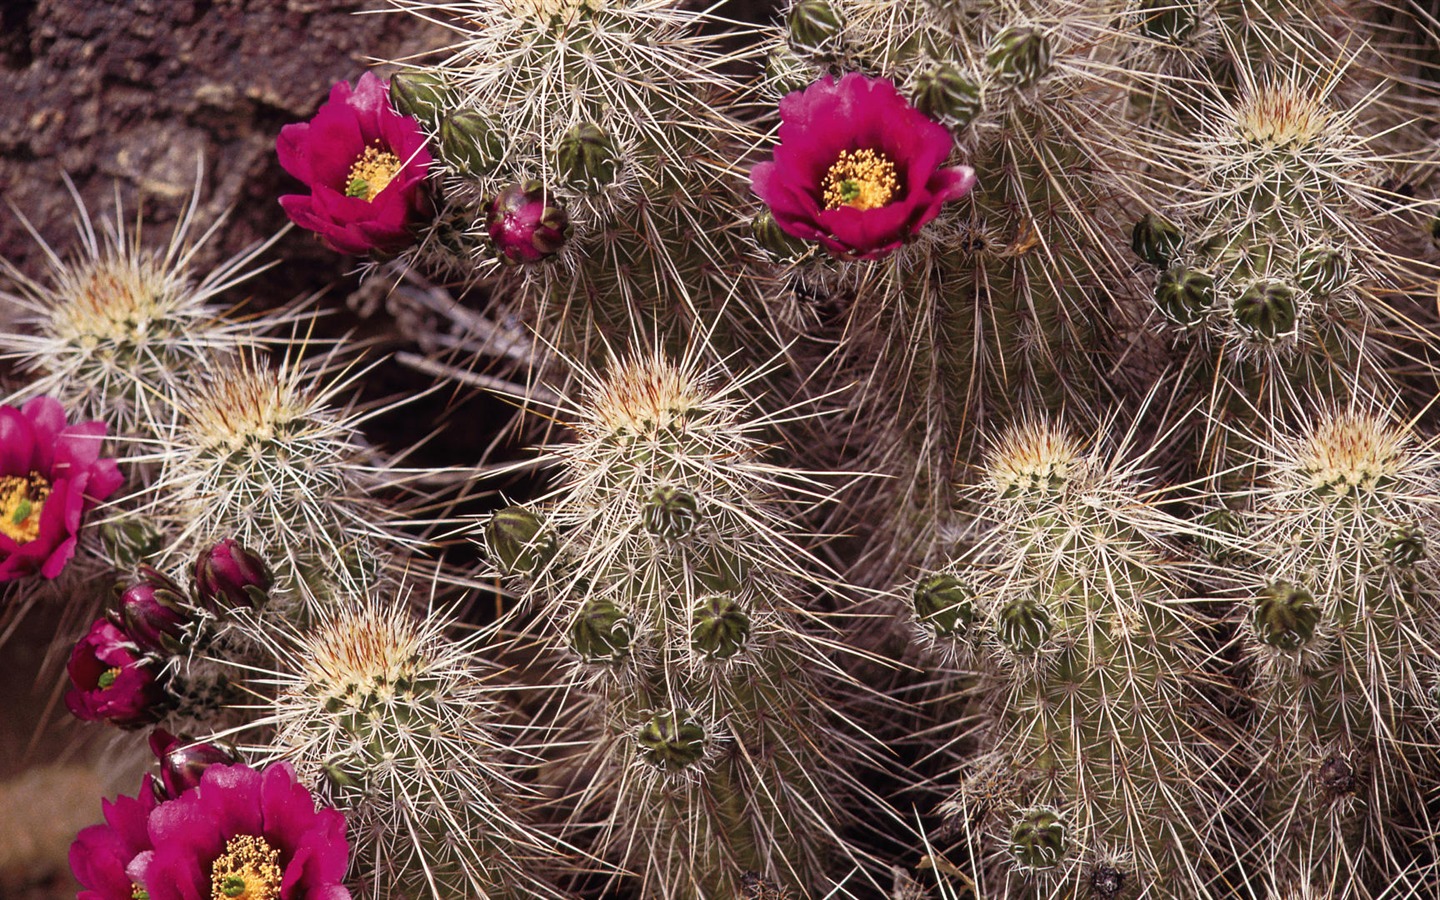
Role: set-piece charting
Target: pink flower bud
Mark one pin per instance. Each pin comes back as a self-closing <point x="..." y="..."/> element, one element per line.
<point x="527" y="224"/>
<point x="228" y="575"/>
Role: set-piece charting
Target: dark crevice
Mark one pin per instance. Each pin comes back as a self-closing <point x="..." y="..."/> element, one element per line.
<point x="15" y="50"/>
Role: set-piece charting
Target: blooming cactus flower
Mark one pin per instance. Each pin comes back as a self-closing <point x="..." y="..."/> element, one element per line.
<point x="244" y="833"/>
<point x="857" y="169"/>
<point x="51" y="475"/>
<point x="111" y="680"/>
<point x="100" y="853"/>
<point x="365" y="165"/>
<point x="238" y="832"/>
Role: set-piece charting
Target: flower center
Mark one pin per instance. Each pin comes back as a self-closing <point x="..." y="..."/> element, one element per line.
<point x="139" y="893"/>
<point x="107" y="678"/>
<point x="247" y="870"/>
<point x="370" y="173"/>
<point x="863" y="179"/>
<point x="21" y="500"/>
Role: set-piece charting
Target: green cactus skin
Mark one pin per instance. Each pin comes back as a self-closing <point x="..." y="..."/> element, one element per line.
<point x="710" y="747"/>
<point x="1087" y="659"/>
<point x="1340" y="672"/>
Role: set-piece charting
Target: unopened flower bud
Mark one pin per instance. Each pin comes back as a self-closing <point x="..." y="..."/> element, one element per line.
<point x="152" y="612"/>
<point x="1171" y="21"/>
<point x="586" y="157"/>
<point x="721" y="627"/>
<point x="1405" y="546"/>
<point x="471" y="142"/>
<point x="1321" y="271"/>
<point x="1023" y="624"/>
<point x="947" y="94"/>
<point x="1020" y="56"/>
<point x="670" y="512"/>
<point x="780" y="246"/>
<point x="1037" y="839"/>
<point x="1286" y="616"/>
<point x="601" y="632"/>
<point x="1266" y="310"/>
<point x="518" y="541"/>
<point x="1184" y="296"/>
<point x="786" y="73"/>
<point x="527" y="224"/>
<point x="944" y="605"/>
<point x="1156" y="240"/>
<point x="814" y="26"/>
<point x="421" y="95"/>
<point x="671" y="741"/>
<point x="182" y="761"/>
<point x="228" y="575"/>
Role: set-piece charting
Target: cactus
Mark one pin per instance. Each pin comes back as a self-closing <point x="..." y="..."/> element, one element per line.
<point x="560" y="96"/>
<point x="1074" y="616"/>
<point x="115" y="332"/>
<point x="1338" y="633"/>
<point x="669" y="579"/>
<point x="402" y="728"/>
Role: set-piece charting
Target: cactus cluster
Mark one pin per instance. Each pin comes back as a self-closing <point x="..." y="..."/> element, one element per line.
<point x="1025" y="486"/>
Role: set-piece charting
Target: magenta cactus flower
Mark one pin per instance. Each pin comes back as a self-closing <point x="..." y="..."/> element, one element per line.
<point x="101" y="853"/>
<point x="51" y="476"/>
<point x="152" y="612"/>
<point x="527" y="223"/>
<point x="111" y="680"/>
<point x="858" y="169"/>
<point x="229" y="575"/>
<point x="244" y="833"/>
<point x="365" y="165"/>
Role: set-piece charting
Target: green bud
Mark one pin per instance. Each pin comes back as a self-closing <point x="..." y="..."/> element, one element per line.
<point x="1037" y="839"/>
<point x="721" y="627"/>
<point x="1321" y="271"/>
<point x="601" y="632"/>
<point x="1266" y="310"/>
<point x="1020" y="56"/>
<point x="671" y="741"/>
<point x="946" y="94"/>
<point x="420" y="95"/>
<point x="519" y="542"/>
<point x="1023" y="625"/>
<point x="1184" y="295"/>
<point x="1156" y="240"/>
<point x="670" y="512"/>
<point x="815" y="26"/>
<point x="944" y="605"/>
<point x="1172" y="21"/>
<point x="780" y="246"/>
<point x="1405" y="546"/>
<point x="471" y="142"/>
<point x="585" y="157"/>
<point x="1286" y="616"/>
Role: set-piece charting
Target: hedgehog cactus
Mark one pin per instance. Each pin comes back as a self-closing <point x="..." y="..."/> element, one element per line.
<point x="1002" y="304"/>
<point x="663" y="570"/>
<point x="1342" y="634"/>
<point x="1075" y="618"/>
<point x="579" y="138"/>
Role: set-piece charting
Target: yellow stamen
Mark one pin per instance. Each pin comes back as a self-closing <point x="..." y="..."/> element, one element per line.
<point x="22" y="498"/>
<point x="371" y="173"/>
<point x="247" y="870"/>
<point x="862" y="178"/>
